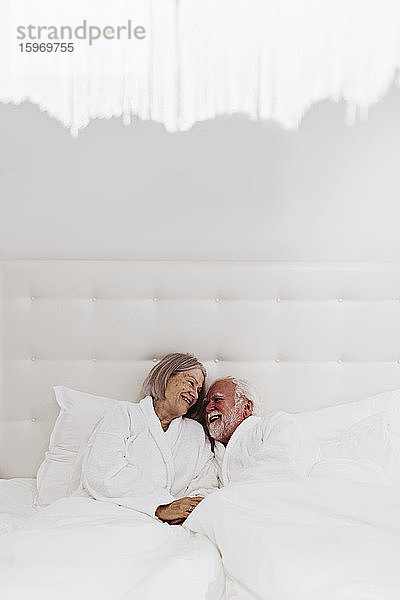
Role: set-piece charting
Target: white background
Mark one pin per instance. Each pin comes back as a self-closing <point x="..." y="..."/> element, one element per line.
<point x="227" y="189"/>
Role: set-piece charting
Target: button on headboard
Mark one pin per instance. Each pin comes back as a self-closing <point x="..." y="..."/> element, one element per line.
<point x="306" y="335"/>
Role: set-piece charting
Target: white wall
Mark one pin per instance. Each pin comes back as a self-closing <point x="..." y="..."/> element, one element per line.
<point x="227" y="189"/>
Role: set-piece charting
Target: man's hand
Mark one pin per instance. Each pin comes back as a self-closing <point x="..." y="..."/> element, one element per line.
<point x="178" y="510"/>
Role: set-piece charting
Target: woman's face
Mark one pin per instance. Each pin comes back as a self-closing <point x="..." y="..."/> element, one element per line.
<point x="182" y="391"/>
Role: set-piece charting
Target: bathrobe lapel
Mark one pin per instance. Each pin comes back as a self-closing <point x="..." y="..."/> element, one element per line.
<point x="231" y="447"/>
<point x="161" y="439"/>
<point x="173" y="433"/>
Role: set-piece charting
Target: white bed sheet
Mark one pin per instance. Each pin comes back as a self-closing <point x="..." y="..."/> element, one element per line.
<point x="315" y="539"/>
<point x="80" y="548"/>
<point x="17" y="498"/>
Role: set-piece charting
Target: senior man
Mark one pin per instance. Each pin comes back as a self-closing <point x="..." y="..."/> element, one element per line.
<point x="249" y="447"/>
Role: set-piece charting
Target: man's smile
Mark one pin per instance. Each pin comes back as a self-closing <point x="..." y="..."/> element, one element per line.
<point x="214" y="416"/>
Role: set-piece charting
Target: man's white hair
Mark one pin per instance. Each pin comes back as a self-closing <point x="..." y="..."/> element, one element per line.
<point x="244" y="389"/>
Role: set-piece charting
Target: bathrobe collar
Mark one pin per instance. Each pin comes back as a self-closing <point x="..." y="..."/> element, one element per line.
<point x="165" y="440"/>
<point x="242" y="429"/>
<point x="222" y="452"/>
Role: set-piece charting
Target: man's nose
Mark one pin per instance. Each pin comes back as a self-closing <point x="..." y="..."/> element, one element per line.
<point x="210" y="406"/>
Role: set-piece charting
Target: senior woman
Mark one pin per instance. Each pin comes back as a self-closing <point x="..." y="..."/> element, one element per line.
<point x="153" y="456"/>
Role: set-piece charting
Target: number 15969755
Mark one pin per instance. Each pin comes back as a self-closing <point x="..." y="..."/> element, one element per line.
<point x="46" y="47"/>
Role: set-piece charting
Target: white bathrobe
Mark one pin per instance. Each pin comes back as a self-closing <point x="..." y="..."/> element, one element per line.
<point x="131" y="461"/>
<point x="266" y="449"/>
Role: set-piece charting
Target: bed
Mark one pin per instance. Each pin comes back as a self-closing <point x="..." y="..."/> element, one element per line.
<point x="306" y="335"/>
<point x="332" y="536"/>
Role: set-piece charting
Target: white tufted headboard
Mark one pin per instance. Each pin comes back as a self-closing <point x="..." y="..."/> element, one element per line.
<point x="307" y="335"/>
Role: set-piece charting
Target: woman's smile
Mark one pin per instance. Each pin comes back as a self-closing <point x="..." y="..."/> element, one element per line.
<point x="187" y="399"/>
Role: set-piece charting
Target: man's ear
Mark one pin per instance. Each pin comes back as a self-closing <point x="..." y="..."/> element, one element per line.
<point x="247" y="408"/>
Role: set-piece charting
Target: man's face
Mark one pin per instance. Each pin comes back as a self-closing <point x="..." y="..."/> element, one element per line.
<point x="223" y="416"/>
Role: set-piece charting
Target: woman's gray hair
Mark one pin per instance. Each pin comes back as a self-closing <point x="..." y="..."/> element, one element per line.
<point x="156" y="381"/>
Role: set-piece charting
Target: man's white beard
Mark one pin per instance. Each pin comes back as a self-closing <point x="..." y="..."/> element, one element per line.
<point x="222" y="428"/>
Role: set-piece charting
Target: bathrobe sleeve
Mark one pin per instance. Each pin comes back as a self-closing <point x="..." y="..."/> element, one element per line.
<point x="107" y="474"/>
<point x="282" y="450"/>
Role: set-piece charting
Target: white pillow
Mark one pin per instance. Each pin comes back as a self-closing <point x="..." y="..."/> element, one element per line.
<point x="371" y="440"/>
<point x="59" y="474"/>
<point x="347" y="469"/>
<point x="327" y="424"/>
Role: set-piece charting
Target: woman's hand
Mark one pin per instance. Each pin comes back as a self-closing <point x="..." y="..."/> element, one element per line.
<point x="178" y="510"/>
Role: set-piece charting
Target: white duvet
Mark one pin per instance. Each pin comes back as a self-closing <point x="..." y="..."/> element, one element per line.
<point x="315" y="539"/>
<point x="332" y="536"/>
<point x="16" y="503"/>
<point x="79" y="548"/>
